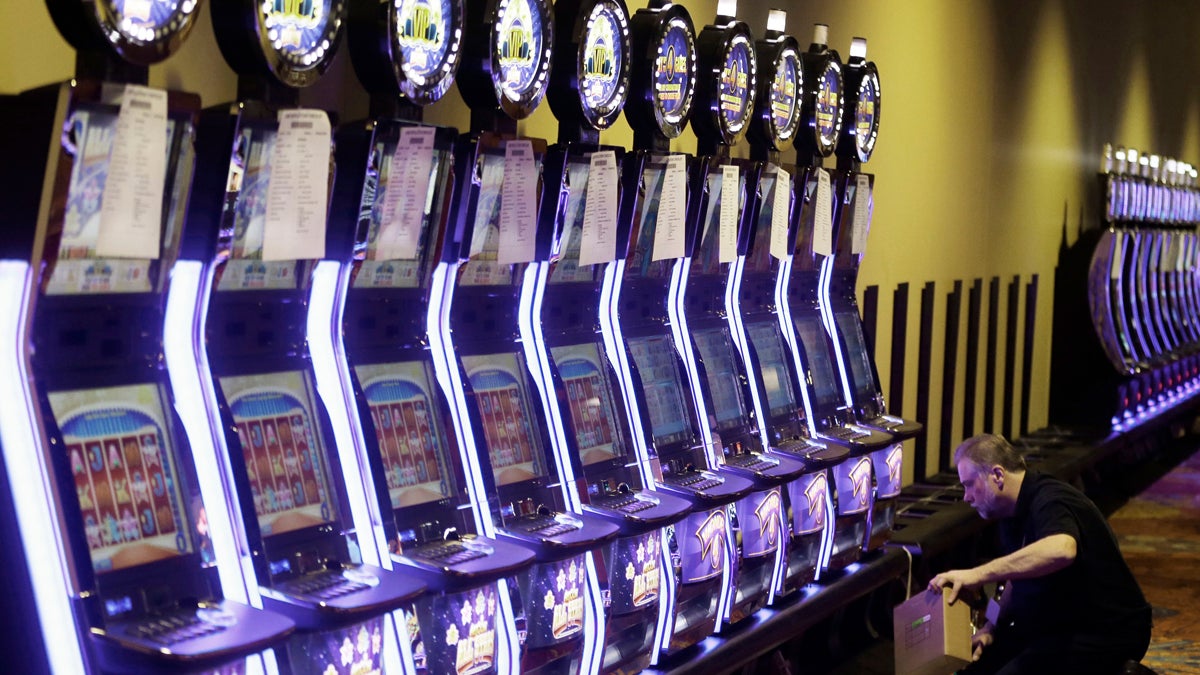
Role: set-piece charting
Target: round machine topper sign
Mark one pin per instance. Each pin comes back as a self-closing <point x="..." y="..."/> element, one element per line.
<point x="428" y="45"/>
<point x="302" y="33"/>
<point x="520" y="35"/>
<point x="673" y="80"/>
<point x="785" y="95"/>
<point x="737" y="89"/>
<point x="866" y="116"/>
<point x="144" y="21"/>
<point x="829" y="106"/>
<point x="600" y="85"/>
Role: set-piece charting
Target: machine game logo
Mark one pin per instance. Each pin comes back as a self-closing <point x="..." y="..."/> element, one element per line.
<point x="299" y="30"/>
<point x="784" y="108"/>
<point x="812" y="518"/>
<point x="518" y="46"/>
<point x="421" y="28"/>
<point x="672" y="70"/>
<point x="768" y="518"/>
<point x="643" y="570"/>
<point x="735" y="84"/>
<point x="888" y="463"/>
<point x="854" y="486"/>
<point x="147" y="20"/>
<point x="356" y="650"/>
<point x="711" y="534"/>
<point x="601" y="58"/>
<point x="828" y="104"/>
<point x="472" y="629"/>
<point x="864" y="112"/>
<point x="565" y="599"/>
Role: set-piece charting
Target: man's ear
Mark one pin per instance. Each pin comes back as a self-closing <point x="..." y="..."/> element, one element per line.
<point x="997" y="475"/>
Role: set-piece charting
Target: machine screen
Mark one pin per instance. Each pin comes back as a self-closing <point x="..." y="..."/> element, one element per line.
<point x="566" y="253"/>
<point x="245" y="216"/>
<point x="123" y="467"/>
<point x="641" y="262"/>
<point x="812" y="335"/>
<point x="90" y="132"/>
<point x="375" y="271"/>
<point x="502" y="398"/>
<point x="857" y="355"/>
<point x="768" y="344"/>
<point x="758" y="258"/>
<point x="661" y="388"/>
<point x="284" y="458"/>
<point x="716" y="349"/>
<point x="481" y="268"/>
<point x="410" y="438"/>
<point x="590" y="397"/>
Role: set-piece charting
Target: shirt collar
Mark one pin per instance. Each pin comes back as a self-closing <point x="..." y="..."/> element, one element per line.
<point x="1025" y="496"/>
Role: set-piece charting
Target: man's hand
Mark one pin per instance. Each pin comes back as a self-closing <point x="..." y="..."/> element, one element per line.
<point x="957" y="580"/>
<point x="982" y="638"/>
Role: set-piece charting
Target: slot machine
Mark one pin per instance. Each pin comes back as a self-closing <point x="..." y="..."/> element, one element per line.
<point x="780" y="404"/>
<point x="487" y="307"/>
<point x="807" y="328"/>
<point x="129" y="566"/>
<point x="258" y="218"/>
<point x="589" y="85"/>
<point x="388" y="229"/>
<point x="856" y="366"/>
<point x="707" y="313"/>
<point x="639" y="289"/>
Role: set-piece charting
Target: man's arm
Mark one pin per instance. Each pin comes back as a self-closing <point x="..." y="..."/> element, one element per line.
<point x="1044" y="556"/>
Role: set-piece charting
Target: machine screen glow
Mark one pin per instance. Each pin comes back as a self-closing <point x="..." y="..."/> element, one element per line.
<point x="768" y="344"/>
<point x="716" y="351"/>
<point x="142" y="21"/>
<point x="860" y="360"/>
<point x="812" y="336"/>
<point x="673" y="71"/>
<point x="599" y="81"/>
<point x="829" y="91"/>
<point x="518" y="46"/>
<point x="589" y="395"/>
<point x="422" y="31"/>
<point x="661" y="388"/>
<point x="865" y="119"/>
<point x="410" y="439"/>
<point x="736" y="87"/>
<point x="785" y="108"/>
<point x="282" y="454"/>
<point x="502" y="400"/>
<point x="123" y="470"/>
<point x="299" y="31"/>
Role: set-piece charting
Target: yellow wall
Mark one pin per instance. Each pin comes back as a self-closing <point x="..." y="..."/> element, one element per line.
<point x="993" y="117"/>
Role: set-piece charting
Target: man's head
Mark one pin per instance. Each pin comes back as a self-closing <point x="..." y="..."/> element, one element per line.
<point x="991" y="471"/>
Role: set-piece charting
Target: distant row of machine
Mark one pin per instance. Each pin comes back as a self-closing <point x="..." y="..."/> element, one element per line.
<point x="303" y="397"/>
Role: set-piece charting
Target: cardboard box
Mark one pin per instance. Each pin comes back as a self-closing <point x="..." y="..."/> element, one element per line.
<point x="932" y="636"/>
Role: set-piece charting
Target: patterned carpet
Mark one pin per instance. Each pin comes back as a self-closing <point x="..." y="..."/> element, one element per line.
<point x="1159" y="531"/>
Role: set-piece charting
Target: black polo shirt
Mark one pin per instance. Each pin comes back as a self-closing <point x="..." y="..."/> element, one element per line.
<point x="1096" y="595"/>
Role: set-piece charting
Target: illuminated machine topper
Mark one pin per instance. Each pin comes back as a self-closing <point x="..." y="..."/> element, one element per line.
<point x="521" y="50"/>
<point x="785" y="95"/>
<point x="673" y="84"/>
<point x="427" y="43"/>
<point x="866" y="115"/>
<point x="140" y="31"/>
<point x="602" y="63"/>
<point x="827" y="111"/>
<point x="300" y="30"/>
<point x="736" y="94"/>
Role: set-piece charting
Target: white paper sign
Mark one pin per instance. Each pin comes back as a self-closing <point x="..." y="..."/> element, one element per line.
<point x="518" y="204"/>
<point x="405" y="196"/>
<point x="823" y="216"/>
<point x="730" y="207"/>
<point x="780" y="244"/>
<point x="298" y="194"/>
<point x="600" y="211"/>
<point x="862" y="214"/>
<point x="1117" y="264"/>
<point x="131" y="208"/>
<point x="672" y="211"/>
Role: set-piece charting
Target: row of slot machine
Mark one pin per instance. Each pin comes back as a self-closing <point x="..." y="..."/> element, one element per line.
<point x="1143" y="296"/>
<point x="297" y="396"/>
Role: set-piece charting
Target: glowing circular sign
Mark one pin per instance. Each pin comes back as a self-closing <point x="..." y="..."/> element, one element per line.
<point x="828" y="113"/>
<point x="736" y="93"/>
<point x="145" y="31"/>
<point x="785" y="95"/>
<point x="600" y="62"/>
<point x="866" y="116"/>
<point x="519" y="35"/>
<point x="673" y="82"/>
<point x="428" y="38"/>
<point x="301" y="33"/>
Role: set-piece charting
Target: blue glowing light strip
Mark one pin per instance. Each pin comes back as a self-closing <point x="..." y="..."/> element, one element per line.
<point x="21" y="445"/>
<point x="445" y="369"/>
<point x="683" y="345"/>
<point x="784" y="315"/>
<point x="733" y="315"/>
<point x="326" y="302"/>
<point x="186" y="311"/>
<point x="824" y="304"/>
